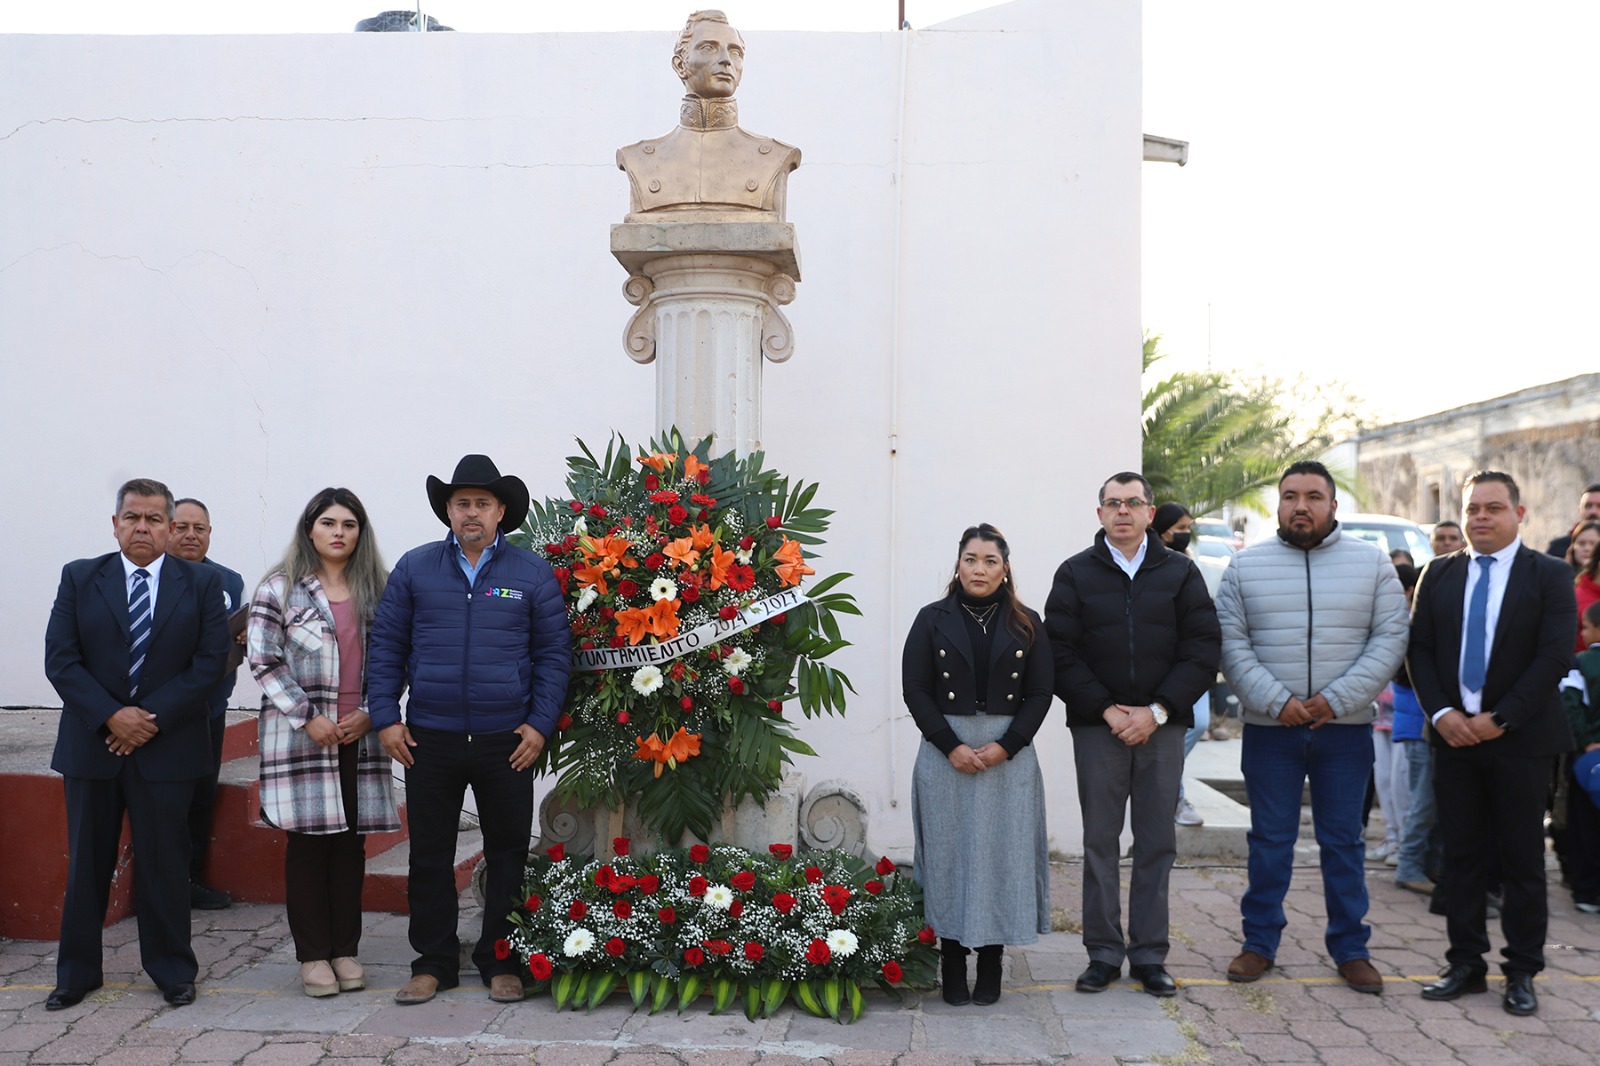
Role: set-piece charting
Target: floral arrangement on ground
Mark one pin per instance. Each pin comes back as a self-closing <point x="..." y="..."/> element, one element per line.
<point x="683" y="921"/>
<point x="691" y="630"/>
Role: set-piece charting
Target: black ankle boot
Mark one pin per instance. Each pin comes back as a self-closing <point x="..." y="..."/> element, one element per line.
<point x="986" y="989"/>
<point x="953" y="972"/>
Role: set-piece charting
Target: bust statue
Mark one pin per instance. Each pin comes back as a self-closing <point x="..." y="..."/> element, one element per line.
<point x="708" y="169"/>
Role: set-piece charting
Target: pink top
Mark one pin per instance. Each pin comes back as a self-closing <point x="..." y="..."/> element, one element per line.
<point x="348" y="630"/>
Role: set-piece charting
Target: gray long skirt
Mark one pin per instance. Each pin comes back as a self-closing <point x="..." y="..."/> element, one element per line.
<point x="983" y="856"/>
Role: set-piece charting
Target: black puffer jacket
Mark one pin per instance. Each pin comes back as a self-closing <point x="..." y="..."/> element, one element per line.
<point x="1152" y="639"/>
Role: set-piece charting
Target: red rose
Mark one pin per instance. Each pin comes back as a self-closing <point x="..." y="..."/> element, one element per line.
<point x="775" y="706"/>
<point x="618" y="641"/>
<point x="736" y="908"/>
<point x="620" y="845"/>
<point x="885" y="866"/>
<point x="873" y="887"/>
<point x="780" y="618"/>
<point x="502" y="948"/>
<point x="699" y="853"/>
<point x="754" y="951"/>
<point x="698" y="885"/>
<point x="604" y="876"/>
<point x="926" y="934"/>
<point x="649" y="884"/>
<point x="773" y="521"/>
<point x="690" y="594"/>
<point x="627" y="588"/>
<point x="744" y="880"/>
<point x="578" y="909"/>
<point x="664" y="496"/>
<point x="623" y="719"/>
<point x="654" y="560"/>
<point x="563" y="723"/>
<point x="667" y="915"/>
<point x="563" y="575"/>
<point x="615" y="946"/>
<point x="607" y="614"/>
<point x="747" y="542"/>
<point x="676" y="515"/>
<point x="813" y="875"/>
<point x="589" y="644"/>
<point x="651" y="482"/>
<point x="818" y="954"/>
<point x="534" y="903"/>
<point x="837" y="897"/>
<point x="782" y="902"/>
<point x="539" y="966"/>
<point x="557" y="852"/>
<point x="892" y="972"/>
<point x="622" y="909"/>
<point x="717" y="947"/>
<point x="694" y="956"/>
<point x="596" y="510"/>
<point x="704" y="476"/>
<point x="576" y="505"/>
<point x="730" y="612"/>
<point x="688" y="704"/>
<point x="736" y="686"/>
<point x="782" y="852"/>
<point x="675" y="671"/>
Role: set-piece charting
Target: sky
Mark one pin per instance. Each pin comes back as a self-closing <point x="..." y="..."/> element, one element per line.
<point x="1395" y="195"/>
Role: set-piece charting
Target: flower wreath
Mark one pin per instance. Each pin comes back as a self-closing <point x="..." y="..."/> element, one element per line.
<point x="683" y="579"/>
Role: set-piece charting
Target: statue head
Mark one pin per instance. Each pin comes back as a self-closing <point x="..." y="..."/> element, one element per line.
<point x="709" y="56"/>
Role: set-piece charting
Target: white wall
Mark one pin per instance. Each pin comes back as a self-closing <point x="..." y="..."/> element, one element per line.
<point x="254" y="266"/>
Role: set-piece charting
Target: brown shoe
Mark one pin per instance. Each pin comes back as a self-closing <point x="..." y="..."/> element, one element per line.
<point x="421" y="988"/>
<point x="505" y="988"/>
<point x="1247" y="966"/>
<point x="1362" y="976"/>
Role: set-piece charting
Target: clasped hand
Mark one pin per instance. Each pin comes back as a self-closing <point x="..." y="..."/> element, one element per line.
<point x="1131" y="725"/>
<point x="968" y="761"/>
<point x="1463" y="730"/>
<point x="1315" y="711"/>
<point x="131" y="728"/>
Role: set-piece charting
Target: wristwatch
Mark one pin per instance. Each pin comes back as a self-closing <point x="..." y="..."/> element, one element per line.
<point x="1160" y="713"/>
<point x="1500" y="723"/>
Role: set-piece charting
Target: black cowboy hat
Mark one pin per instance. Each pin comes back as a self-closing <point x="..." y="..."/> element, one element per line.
<point x="479" y="472"/>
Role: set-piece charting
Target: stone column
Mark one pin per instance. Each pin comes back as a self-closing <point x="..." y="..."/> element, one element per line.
<point x="709" y="298"/>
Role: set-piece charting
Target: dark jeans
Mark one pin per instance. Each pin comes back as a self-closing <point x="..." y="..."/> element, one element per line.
<point x="1583" y="840"/>
<point x="203" y="805"/>
<point x="446" y="765"/>
<point x="322" y="878"/>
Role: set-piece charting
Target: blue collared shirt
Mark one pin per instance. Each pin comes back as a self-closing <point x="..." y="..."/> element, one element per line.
<point x="483" y="558"/>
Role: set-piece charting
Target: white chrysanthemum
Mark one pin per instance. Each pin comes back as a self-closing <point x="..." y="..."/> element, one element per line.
<point x="743" y="557"/>
<point x="646" y="680"/>
<point x="663" y="588"/>
<point x="580" y="528"/>
<point x="842" y="942"/>
<point x="736" y="660"/>
<point x="579" y="941"/>
<point x="587" y="597"/>
<point x="719" y="896"/>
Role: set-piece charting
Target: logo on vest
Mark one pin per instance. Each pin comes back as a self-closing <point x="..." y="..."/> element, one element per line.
<point x="505" y="594"/>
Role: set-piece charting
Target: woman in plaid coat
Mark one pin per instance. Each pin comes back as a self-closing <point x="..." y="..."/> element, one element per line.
<point x="325" y="779"/>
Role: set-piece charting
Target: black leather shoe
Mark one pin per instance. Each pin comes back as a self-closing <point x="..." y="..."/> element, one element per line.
<point x="1456" y="982"/>
<point x="953" y="972"/>
<point x="1520" y="999"/>
<point x="1155" y="978"/>
<point x="1098" y="977"/>
<point x="179" y="995"/>
<point x="206" y="898"/>
<point x="62" y="998"/>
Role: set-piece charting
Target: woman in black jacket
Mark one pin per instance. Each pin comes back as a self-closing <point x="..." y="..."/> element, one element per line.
<point x="977" y="678"/>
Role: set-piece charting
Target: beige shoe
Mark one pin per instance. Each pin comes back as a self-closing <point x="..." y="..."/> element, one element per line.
<point x="505" y="988"/>
<point x="419" y="989"/>
<point x="352" y="978"/>
<point x="317" y="979"/>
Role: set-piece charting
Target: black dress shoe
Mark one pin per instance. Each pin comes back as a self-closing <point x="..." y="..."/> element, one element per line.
<point x="1098" y="977"/>
<point x="1155" y="978"/>
<point x="62" y="998"/>
<point x="1456" y="982"/>
<point x="179" y="995"/>
<point x="206" y="898"/>
<point x="1520" y="999"/>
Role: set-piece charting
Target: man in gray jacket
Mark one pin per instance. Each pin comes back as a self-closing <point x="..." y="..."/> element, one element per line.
<point x="1313" y="625"/>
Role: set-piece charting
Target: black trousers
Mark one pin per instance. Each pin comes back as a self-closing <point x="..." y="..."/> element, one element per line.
<point x="1491" y="807"/>
<point x="447" y="764"/>
<point x="203" y="805"/>
<point x="322" y="877"/>
<point x="1583" y="840"/>
<point x="156" y="813"/>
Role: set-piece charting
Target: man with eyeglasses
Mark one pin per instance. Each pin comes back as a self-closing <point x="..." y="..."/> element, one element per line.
<point x="1314" y="625"/>
<point x="1135" y="641"/>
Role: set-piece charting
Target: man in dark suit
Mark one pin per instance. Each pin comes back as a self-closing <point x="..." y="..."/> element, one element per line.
<point x="1588" y="511"/>
<point x="137" y="640"/>
<point x="1491" y="638"/>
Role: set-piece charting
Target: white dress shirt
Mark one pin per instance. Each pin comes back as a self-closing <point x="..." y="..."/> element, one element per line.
<point x="1499" y="577"/>
<point x="1129" y="566"/>
<point x="152" y="568"/>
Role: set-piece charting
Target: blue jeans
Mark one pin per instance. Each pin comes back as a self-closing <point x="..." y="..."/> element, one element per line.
<point x="1276" y="762"/>
<point x="1202" y="722"/>
<point x="1420" y="847"/>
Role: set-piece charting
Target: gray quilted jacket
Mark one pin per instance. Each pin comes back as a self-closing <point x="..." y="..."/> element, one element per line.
<point x="1295" y="623"/>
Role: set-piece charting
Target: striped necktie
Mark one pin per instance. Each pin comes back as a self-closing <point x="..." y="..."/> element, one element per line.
<point x="139" y="613"/>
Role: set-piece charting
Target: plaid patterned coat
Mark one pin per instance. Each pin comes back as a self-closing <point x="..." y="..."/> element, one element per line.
<point x="294" y="654"/>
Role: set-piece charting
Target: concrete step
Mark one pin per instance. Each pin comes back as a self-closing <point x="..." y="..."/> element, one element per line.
<point x="385" y="887"/>
<point x="1225" y="834"/>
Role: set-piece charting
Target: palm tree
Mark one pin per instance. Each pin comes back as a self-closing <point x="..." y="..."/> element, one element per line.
<point x="1209" y="441"/>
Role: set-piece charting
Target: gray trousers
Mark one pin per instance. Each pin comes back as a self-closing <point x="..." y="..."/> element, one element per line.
<point x="1110" y="775"/>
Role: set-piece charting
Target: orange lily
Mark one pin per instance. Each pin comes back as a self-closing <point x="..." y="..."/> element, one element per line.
<point x="662" y="618"/>
<point x="701" y="535"/>
<point x="633" y="623"/>
<point x="594" y="574"/>
<point x="650" y="748"/>
<point x="791" y="568"/>
<point x="682" y="746"/>
<point x="721" y="560"/>
<point x="659" y="461"/>
<point x="692" y="466"/>
<point x="608" y="552"/>
<point x="681" y="551"/>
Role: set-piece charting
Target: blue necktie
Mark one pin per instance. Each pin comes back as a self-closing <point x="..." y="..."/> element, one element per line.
<point x="139" y="613"/>
<point x="1474" y="664"/>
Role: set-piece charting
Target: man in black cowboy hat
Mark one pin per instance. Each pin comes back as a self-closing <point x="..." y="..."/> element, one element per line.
<point x="476" y="629"/>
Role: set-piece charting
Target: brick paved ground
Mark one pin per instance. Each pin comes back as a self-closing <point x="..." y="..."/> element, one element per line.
<point x="251" y="1013"/>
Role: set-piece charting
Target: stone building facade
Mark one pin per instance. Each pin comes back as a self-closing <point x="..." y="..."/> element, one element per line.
<point x="1547" y="437"/>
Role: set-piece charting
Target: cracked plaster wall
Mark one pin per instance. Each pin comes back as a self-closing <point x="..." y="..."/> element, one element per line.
<point x="254" y="266"/>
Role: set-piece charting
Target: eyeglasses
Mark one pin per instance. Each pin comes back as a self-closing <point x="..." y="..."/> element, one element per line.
<point x="1134" y="504"/>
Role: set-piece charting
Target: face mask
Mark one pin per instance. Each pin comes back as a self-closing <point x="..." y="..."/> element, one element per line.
<point x="1180" y="542"/>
